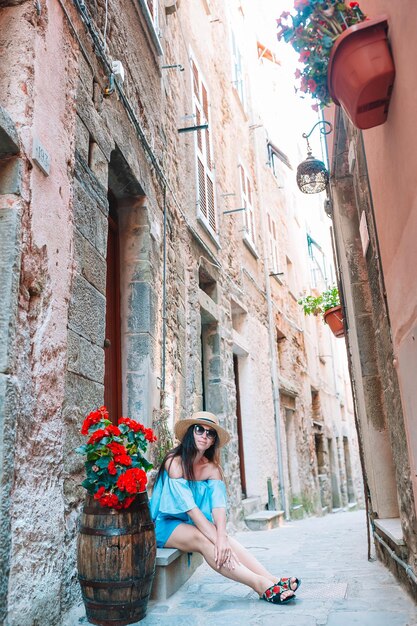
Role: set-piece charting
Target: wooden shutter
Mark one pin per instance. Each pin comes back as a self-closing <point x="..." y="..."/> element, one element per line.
<point x="246" y="197"/>
<point x="205" y="174"/>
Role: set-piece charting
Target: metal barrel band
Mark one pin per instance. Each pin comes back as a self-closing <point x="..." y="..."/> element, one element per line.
<point x="116" y="532"/>
<point x="114" y="584"/>
<point x="90" y="604"/>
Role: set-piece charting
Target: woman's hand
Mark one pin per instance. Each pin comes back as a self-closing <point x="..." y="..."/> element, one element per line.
<point x="223" y="553"/>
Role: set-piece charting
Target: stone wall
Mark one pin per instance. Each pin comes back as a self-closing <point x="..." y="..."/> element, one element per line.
<point x="375" y="378"/>
<point x="195" y="302"/>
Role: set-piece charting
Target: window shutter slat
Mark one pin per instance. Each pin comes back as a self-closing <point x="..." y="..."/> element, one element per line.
<point x="202" y="188"/>
<point x="210" y="203"/>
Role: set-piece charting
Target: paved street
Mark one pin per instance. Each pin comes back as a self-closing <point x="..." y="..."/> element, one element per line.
<point x="339" y="586"/>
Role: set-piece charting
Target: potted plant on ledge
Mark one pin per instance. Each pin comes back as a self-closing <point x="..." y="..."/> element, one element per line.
<point x="327" y="304"/>
<point x="346" y="57"/>
<point x="116" y="536"/>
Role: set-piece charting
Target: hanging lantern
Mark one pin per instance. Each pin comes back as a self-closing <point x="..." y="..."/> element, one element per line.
<point x="312" y="175"/>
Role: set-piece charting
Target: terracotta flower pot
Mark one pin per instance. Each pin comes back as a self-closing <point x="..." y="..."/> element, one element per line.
<point x="361" y="72"/>
<point x="334" y="318"/>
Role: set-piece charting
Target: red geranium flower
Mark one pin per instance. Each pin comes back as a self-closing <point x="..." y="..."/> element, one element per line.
<point x="111" y="468"/>
<point x="128" y="501"/>
<point x="96" y="436"/>
<point x="133" y="480"/>
<point x="116" y="448"/>
<point x="123" y="459"/>
<point x="112" y="430"/>
<point x="111" y="500"/>
<point x="100" y="491"/>
<point x="149" y="435"/>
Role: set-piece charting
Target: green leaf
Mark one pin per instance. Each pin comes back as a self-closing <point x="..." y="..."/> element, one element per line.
<point x="103" y="461"/>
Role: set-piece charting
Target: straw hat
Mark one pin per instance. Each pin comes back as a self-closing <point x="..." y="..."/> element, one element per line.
<point x="205" y="419"/>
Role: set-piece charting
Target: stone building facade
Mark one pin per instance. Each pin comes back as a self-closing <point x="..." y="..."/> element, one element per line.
<point x="132" y="275"/>
<point x="373" y="195"/>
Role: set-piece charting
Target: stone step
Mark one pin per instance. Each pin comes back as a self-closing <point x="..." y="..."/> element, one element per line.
<point x="352" y="506"/>
<point x="264" y="520"/>
<point x="251" y="504"/>
<point x="173" y="569"/>
<point x="297" y="512"/>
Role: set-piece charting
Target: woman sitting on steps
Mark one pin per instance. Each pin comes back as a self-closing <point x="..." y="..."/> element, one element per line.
<point x="188" y="506"/>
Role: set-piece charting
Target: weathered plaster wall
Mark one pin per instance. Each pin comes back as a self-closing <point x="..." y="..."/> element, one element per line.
<point x="36" y="95"/>
<point x="375" y="378"/>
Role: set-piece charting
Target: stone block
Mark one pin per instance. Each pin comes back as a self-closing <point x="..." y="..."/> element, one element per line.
<point x="99" y="165"/>
<point x="90" y="263"/>
<point x="85" y="358"/>
<point x="217" y="398"/>
<point x="82" y="394"/>
<point x="140" y="350"/>
<point x="8" y="395"/>
<point x="140" y="270"/>
<point x="137" y="397"/>
<point x="82" y="138"/>
<point x="250" y="505"/>
<point x="141" y="308"/>
<point x="173" y="569"/>
<point x="89" y="218"/>
<point x="9" y="278"/>
<point x="366" y="339"/>
<point x="9" y="139"/>
<point x="264" y="520"/>
<point x="215" y="367"/>
<point x="92" y="121"/>
<point x="89" y="181"/>
<point x="297" y="512"/>
<point x="87" y="311"/>
<point x="10" y="176"/>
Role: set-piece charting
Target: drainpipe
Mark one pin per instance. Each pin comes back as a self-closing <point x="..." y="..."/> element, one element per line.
<point x="164" y="302"/>
<point x="271" y="333"/>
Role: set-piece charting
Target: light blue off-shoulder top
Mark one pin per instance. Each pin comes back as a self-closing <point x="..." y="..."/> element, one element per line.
<point x="173" y="497"/>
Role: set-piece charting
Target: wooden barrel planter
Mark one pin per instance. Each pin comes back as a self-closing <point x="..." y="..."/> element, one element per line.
<point x="116" y="561"/>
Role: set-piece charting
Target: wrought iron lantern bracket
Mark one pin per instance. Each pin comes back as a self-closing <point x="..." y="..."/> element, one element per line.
<point x="312" y="175"/>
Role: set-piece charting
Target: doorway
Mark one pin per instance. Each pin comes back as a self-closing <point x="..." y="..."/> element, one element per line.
<point x="112" y="342"/>
<point x="239" y="428"/>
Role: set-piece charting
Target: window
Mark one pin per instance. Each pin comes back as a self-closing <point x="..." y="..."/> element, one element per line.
<point x="150" y="11"/>
<point x="153" y="10"/>
<point x="291" y="278"/>
<point x="318" y="265"/>
<point x="246" y="198"/>
<point x="273" y="246"/>
<point x="204" y="152"/>
<point x="276" y="158"/>
<point x="237" y="71"/>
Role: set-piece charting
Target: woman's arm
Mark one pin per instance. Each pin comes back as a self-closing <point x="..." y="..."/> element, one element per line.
<point x="224" y="554"/>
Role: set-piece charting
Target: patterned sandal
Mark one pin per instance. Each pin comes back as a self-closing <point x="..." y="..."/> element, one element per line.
<point x="273" y="594"/>
<point x="285" y="583"/>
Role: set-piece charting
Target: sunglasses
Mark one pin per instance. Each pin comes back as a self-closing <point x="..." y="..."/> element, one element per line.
<point x="200" y="430"/>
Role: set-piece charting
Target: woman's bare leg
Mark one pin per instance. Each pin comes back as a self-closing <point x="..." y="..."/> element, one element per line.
<point x="252" y="563"/>
<point x="188" y="538"/>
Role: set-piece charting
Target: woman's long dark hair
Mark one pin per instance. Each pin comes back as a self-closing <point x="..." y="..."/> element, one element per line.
<point x="187" y="451"/>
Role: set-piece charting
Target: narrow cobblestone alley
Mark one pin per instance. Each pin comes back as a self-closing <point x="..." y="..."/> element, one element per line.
<point x="339" y="586"/>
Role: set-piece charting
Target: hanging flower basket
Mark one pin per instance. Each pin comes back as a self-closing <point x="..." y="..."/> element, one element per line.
<point x="334" y="319"/>
<point x="361" y="72"/>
